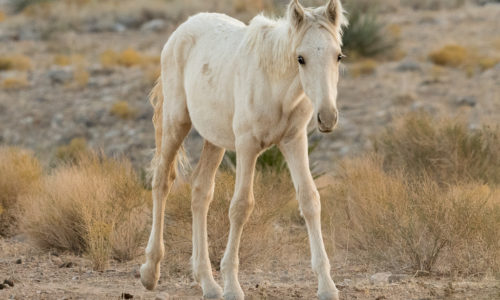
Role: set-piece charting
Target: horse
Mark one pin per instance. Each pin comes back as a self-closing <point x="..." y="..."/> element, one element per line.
<point x="244" y="88"/>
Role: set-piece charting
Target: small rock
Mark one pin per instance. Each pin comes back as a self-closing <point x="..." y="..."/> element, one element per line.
<point x="380" y="278"/>
<point x="75" y="278"/>
<point x="2" y="286"/>
<point x="8" y="282"/>
<point x="60" y="76"/>
<point x="19" y="261"/>
<point x="153" y="25"/>
<point x="68" y="264"/>
<point x="118" y="27"/>
<point x="467" y="101"/>
<point x="162" y="296"/>
<point x="397" y="278"/>
<point x="127" y="296"/>
<point x="408" y="66"/>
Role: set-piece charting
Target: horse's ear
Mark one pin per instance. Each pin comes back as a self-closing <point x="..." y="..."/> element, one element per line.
<point x="296" y="13"/>
<point x="335" y="13"/>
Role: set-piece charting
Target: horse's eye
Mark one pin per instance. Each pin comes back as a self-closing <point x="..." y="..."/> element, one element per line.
<point x="301" y="59"/>
<point x="339" y="58"/>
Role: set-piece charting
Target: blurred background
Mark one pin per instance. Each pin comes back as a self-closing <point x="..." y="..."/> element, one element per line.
<point x="76" y="73"/>
<point x="409" y="181"/>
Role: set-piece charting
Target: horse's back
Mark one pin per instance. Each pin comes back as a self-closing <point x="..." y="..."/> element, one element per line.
<point x="207" y="45"/>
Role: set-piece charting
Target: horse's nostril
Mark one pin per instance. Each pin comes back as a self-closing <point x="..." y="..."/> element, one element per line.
<point x="319" y="119"/>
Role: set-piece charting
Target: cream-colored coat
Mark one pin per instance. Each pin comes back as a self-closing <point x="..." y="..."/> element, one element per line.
<point x="244" y="88"/>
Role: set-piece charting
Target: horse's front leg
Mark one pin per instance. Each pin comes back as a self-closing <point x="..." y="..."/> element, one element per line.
<point x="240" y="209"/>
<point x="295" y="151"/>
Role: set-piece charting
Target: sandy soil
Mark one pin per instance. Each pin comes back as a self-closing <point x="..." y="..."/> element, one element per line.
<point x="42" y="275"/>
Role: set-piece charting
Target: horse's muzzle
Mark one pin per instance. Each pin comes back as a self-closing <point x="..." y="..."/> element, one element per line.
<point x="327" y="121"/>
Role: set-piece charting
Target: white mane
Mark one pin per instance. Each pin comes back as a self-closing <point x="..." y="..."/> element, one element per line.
<point x="276" y="40"/>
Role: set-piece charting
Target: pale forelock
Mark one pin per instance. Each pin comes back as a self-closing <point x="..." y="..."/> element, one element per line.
<point x="275" y="41"/>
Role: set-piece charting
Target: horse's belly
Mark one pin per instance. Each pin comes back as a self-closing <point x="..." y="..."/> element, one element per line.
<point x="211" y="115"/>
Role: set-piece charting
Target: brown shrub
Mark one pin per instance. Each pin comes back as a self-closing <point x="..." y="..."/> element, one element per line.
<point x="399" y="221"/>
<point x="16" y="82"/>
<point x="266" y="235"/>
<point x="122" y="110"/>
<point x="72" y="151"/>
<point x="15" y="62"/>
<point x="95" y="206"/>
<point x="450" y="55"/>
<point x="20" y="171"/>
<point x="363" y="68"/>
<point x="445" y="150"/>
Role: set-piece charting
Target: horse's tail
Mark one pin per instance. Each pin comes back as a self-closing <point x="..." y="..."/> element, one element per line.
<point x="156" y="99"/>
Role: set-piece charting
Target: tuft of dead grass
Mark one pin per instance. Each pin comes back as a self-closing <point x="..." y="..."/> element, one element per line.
<point x="450" y="55"/>
<point x="127" y="58"/>
<point x="15" y="62"/>
<point x="67" y="60"/>
<point x="399" y="221"/>
<point x="15" y="82"/>
<point x="363" y="68"/>
<point x="445" y="150"/>
<point x="122" y="110"/>
<point x="72" y="151"/>
<point x="3" y="16"/>
<point x="94" y="206"/>
<point x="20" y="171"/>
<point x="266" y="235"/>
<point x="81" y="76"/>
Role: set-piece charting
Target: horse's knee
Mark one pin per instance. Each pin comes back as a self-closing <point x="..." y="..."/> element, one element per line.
<point x="201" y="196"/>
<point x="310" y="204"/>
<point x="240" y="209"/>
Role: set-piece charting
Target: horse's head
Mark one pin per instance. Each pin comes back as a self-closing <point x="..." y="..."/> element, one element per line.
<point x="318" y="54"/>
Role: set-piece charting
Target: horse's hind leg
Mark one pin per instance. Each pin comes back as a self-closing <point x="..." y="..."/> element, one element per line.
<point x="202" y="195"/>
<point x="175" y="125"/>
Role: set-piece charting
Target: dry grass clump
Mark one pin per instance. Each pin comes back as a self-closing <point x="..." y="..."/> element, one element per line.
<point x="447" y="151"/>
<point x="3" y="16"/>
<point x="363" y="68"/>
<point x="15" y="62"/>
<point x="67" y="60"/>
<point x="122" y="110"/>
<point x="72" y="151"/>
<point x="15" y="82"/>
<point x="81" y="76"/>
<point x="486" y="63"/>
<point x="450" y="55"/>
<point x="95" y="206"/>
<point x="433" y="4"/>
<point x="266" y="235"/>
<point x="401" y="221"/>
<point x="127" y="58"/>
<point x="20" y="171"/>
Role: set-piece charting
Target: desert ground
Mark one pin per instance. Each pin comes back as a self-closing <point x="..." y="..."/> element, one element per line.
<point x="79" y="76"/>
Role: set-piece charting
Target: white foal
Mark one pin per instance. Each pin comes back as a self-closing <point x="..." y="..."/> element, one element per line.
<point x="244" y="88"/>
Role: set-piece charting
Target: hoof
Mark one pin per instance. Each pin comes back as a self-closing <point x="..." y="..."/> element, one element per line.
<point x="150" y="276"/>
<point x="234" y="295"/>
<point x="329" y="295"/>
<point x="214" y="291"/>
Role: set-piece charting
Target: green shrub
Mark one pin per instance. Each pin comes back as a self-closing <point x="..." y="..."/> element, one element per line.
<point x="366" y="35"/>
<point x="17" y="6"/>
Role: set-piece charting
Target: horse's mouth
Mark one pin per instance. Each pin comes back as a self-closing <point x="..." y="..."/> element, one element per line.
<point x="329" y="130"/>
